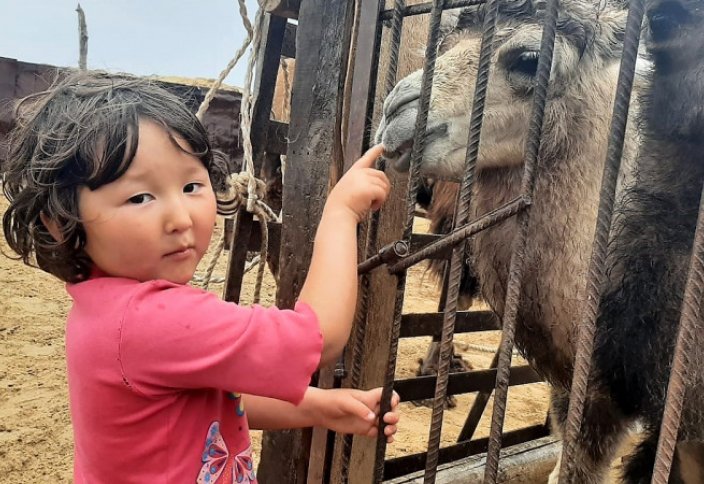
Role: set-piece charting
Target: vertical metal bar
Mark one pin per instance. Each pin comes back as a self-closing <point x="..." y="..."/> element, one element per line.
<point x="585" y="341"/>
<point x="456" y="261"/>
<point x="517" y="266"/>
<point x="372" y="232"/>
<point x="477" y="409"/>
<point x="681" y="361"/>
<point x="413" y="184"/>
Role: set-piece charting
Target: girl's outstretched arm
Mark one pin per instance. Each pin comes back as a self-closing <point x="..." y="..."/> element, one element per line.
<point x="331" y="284"/>
<point x="343" y="410"/>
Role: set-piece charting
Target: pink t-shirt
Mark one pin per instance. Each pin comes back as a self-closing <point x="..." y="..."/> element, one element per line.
<point x="152" y="368"/>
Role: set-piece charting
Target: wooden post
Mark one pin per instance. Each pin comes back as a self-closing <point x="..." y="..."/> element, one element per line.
<point x="314" y="131"/>
<point x="263" y="95"/>
<point x="283" y="8"/>
<point x="82" y="39"/>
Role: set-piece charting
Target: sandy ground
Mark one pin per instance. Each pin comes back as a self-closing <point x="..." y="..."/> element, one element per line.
<point x="35" y="428"/>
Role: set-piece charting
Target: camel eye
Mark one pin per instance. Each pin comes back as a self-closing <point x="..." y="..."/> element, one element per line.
<point x="525" y="63"/>
<point x="520" y="66"/>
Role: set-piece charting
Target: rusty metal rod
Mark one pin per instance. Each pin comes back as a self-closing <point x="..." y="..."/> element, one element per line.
<point x="419" y="140"/>
<point x="517" y="266"/>
<point x="515" y="206"/>
<point x="456" y="261"/>
<point x="691" y="307"/>
<point x="424" y="8"/>
<point x="587" y="328"/>
<point x="388" y="254"/>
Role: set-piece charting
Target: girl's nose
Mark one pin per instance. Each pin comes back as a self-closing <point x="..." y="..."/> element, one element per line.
<point x="177" y="217"/>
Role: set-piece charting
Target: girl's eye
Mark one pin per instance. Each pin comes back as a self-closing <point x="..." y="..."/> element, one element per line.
<point x="141" y="198"/>
<point x="192" y="187"/>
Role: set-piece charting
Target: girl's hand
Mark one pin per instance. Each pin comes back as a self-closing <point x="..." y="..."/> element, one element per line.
<point x="361" y="189"/>
<point x="351" y="411"/>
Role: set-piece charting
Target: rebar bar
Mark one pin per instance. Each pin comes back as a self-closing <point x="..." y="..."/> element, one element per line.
<point x="517" y="265"/>
<point x="677" y="385"/>
<point x="424" y="8"/>
<point x="461" y="215"/>
<point x="460" y="234"/>
<point x="587" y="328"/>
<point x="419" y="139"/>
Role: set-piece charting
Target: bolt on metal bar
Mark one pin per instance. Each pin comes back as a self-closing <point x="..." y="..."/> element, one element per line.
<point x="517" y="266"/>
<point x="424" y="8"/>
<point x="419" y="139"/>
<point x="458" y="235"/>
<point x="587" y="328"/>
<point x="388" y="254"/>
<point x="691" y="307"/>
<point x="372" y="232"/>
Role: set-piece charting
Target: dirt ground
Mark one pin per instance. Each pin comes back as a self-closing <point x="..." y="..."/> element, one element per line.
<point x="35" y="427"/>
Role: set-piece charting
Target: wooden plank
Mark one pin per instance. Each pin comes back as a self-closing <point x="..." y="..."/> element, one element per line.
<point x="255" y="240"/>
<point x="421" y="387"/>
<point x="527" y="462"/>
<point x="283" y="8"/>
<point x="263" y="94"/>
<point x="277" y="138"/>
<point x="315" y="113"/>
<point x="430" y="324"/>
<point x="364" y="77"/>
<point x="288" y="49"/>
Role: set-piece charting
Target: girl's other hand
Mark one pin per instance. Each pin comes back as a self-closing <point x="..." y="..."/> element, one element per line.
<point x="351" y="411"/>
<point x="362" y="188"/>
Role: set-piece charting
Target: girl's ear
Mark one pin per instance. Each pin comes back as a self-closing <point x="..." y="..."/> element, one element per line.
<point x="52" y="227"/>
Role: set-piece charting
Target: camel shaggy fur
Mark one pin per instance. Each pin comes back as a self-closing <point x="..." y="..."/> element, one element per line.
<point x="563" y="214"/>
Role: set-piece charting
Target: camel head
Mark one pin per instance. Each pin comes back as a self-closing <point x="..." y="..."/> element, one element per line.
<point x="588" y="44"/>
<point x="675" y="41"/>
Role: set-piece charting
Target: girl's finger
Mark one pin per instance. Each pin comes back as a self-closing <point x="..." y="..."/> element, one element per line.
<point x="369" y="158"/>
<point x="353" y="406"/>
<point x="391" y="418"/>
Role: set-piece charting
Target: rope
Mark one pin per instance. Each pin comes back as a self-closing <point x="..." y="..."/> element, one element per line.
<point x="286" y="98"/>
<point x="230" y="65"/>
<point x="244" y="190"/>
<point x="230" y="202"/>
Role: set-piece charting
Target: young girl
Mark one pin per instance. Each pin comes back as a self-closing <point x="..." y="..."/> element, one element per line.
<point x="111" y="185"/>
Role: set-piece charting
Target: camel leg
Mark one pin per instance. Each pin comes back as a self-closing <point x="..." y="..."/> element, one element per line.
<point x="429" y="366"/>
<point x="638" y="466"/>
<point x="602" y="429"/>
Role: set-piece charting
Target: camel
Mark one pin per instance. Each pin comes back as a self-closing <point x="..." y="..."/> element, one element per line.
<point x="571" y="159"/>
<point x="649" y="255"/>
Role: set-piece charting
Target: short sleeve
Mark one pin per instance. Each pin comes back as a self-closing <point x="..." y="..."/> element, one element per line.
<point x="178" y="337"/>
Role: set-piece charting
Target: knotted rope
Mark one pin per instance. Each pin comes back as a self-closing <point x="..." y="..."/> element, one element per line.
<point x="244" y="189"/>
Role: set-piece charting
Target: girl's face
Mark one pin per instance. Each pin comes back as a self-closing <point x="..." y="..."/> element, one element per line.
<point x="156" y="220"/>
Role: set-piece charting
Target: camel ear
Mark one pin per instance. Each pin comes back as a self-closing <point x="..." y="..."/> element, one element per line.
<point x="52" y="227"/>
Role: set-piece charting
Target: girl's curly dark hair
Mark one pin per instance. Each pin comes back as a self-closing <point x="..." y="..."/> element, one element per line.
<point x="83" y="132"/>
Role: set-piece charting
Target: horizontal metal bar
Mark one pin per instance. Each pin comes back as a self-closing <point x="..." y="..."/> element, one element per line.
<point x="430" y="324"/>
<point x="387" y="255"/>
<point x="428" y="6"/>
<point x="490" y="219"/>
<point x="422" y="387"/>
<point x="401" y="466"/>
